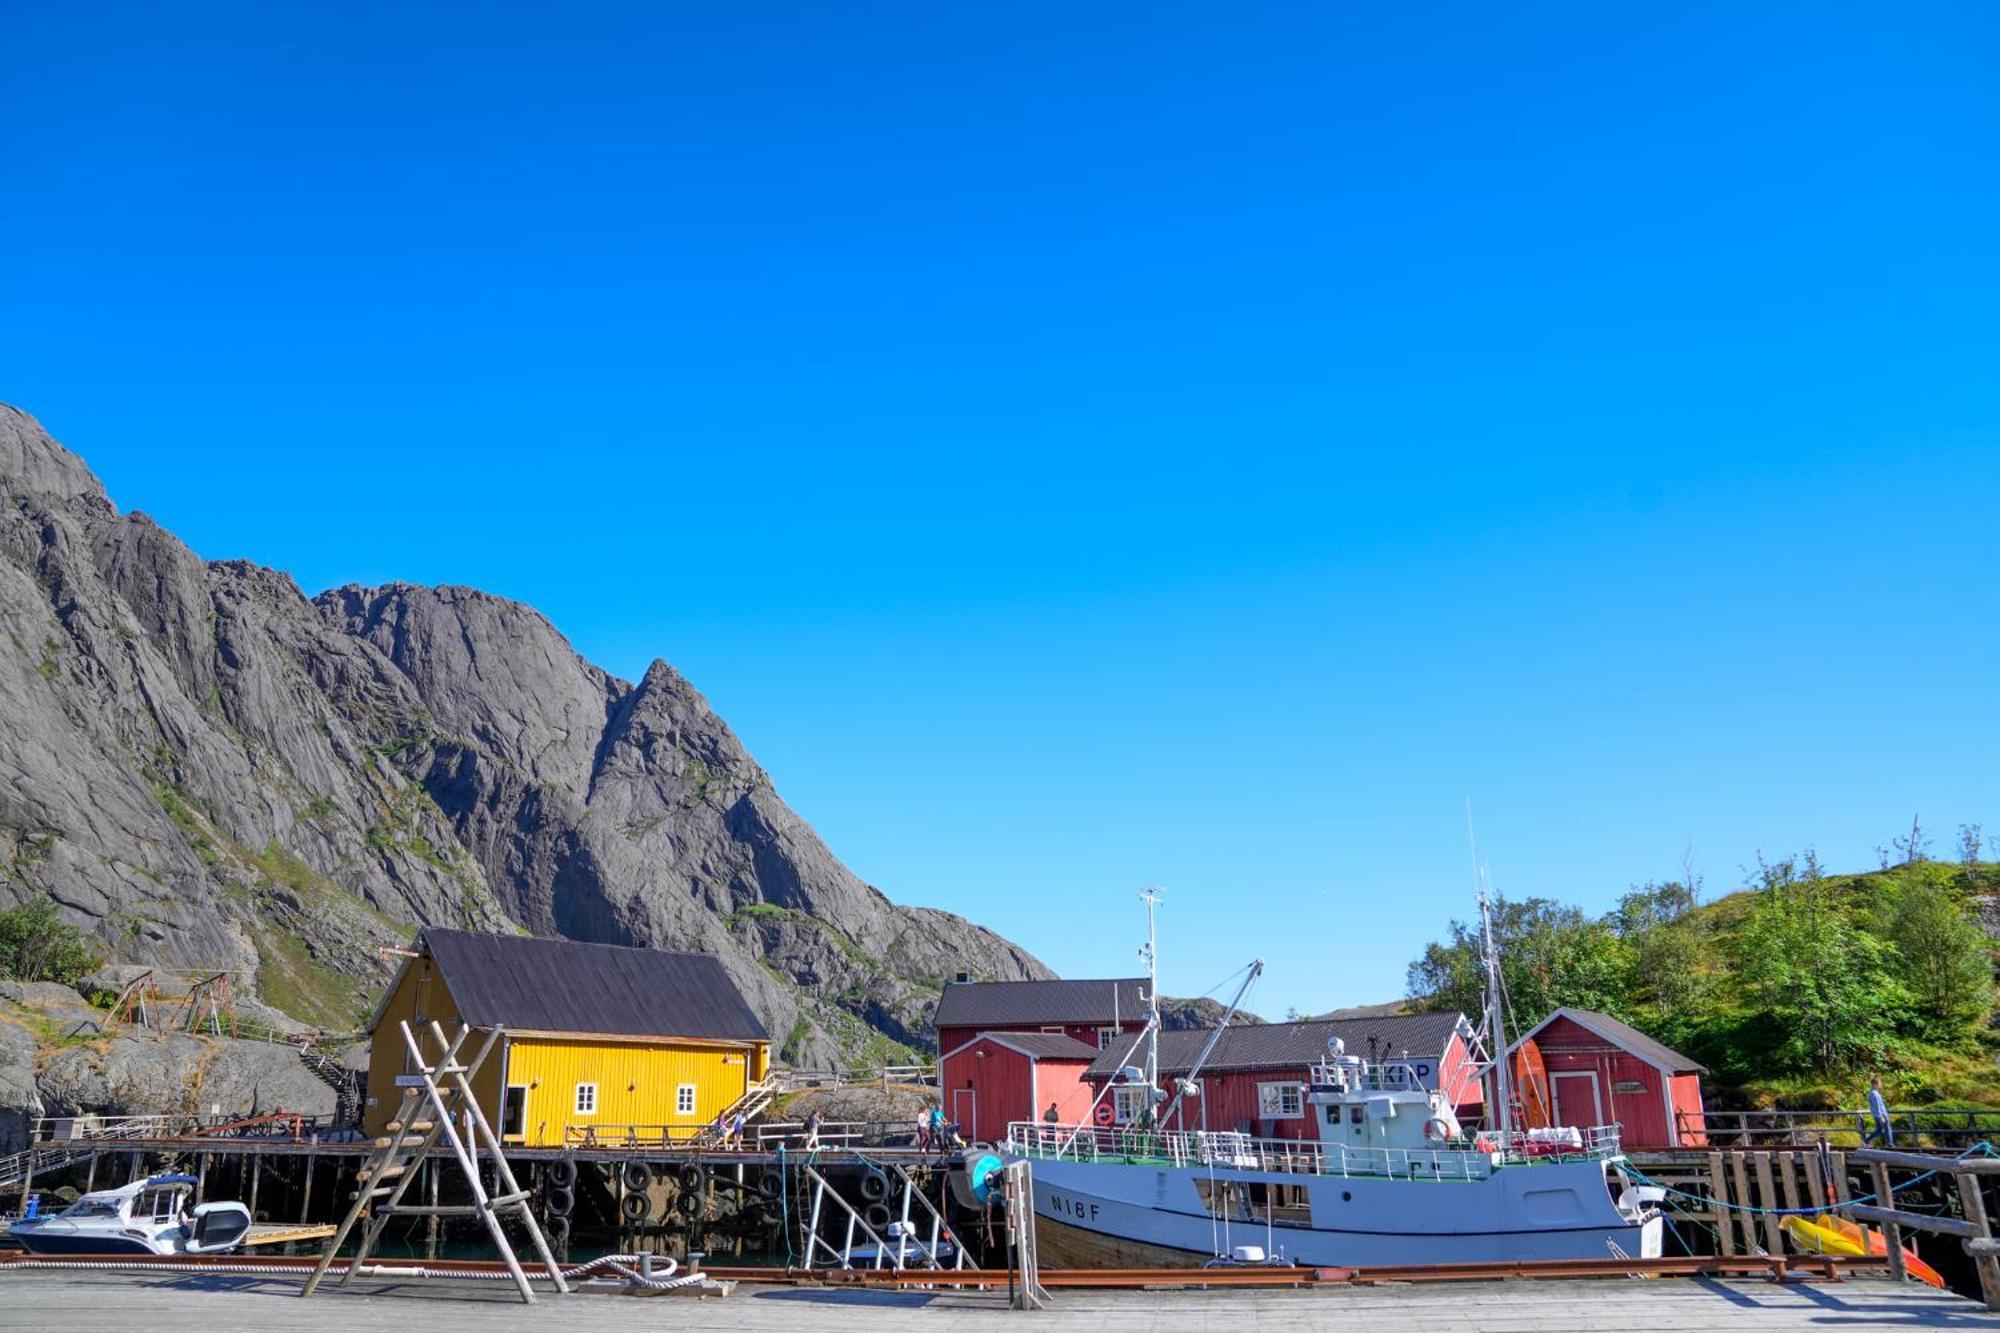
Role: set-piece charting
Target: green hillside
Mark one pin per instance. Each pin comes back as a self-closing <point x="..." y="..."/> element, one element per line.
<point x="1792" y="991"/>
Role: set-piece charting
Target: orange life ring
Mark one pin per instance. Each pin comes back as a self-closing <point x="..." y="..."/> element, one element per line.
<point x="1105" y="1114"/>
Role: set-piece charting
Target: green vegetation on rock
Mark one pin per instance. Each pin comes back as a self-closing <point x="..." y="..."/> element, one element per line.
<point x="1791" y="991"/>
<point x="37" y="945"/>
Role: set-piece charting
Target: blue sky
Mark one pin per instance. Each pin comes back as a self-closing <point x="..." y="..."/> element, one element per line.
<point x="1081" y="447"/>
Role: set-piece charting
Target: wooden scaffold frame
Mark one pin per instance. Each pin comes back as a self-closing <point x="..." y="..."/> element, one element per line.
<point x="435" y="1099"/>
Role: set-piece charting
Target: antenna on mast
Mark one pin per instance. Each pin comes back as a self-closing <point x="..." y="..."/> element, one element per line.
<point x="1150" y="955"/>
<point x="1494" y="1017"/>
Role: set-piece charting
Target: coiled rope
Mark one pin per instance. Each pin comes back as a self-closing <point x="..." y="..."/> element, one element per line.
<point x="618" y="1264"/>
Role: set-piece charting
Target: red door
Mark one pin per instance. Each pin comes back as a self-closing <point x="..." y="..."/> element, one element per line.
<point x="1578" y="1104"/>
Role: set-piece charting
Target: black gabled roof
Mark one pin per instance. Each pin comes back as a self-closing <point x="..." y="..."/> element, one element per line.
<point x="1619" y="1034"/>
<point x="972" y="1004"/>
<point x="537" y="985"/>
<point x="1041" y="1045"/>
<point x="1291" y="1045"/>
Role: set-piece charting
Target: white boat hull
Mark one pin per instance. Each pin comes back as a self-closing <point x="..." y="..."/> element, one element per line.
<point x="1541" y="1211"/>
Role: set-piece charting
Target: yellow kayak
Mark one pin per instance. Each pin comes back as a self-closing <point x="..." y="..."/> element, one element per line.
<point x="1838" y="1236"/>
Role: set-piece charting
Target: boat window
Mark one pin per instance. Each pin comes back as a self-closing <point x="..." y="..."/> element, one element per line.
<point x="1357" y="1114"/>
<point x="91" y="1208"/>
<point x="1256" y="1201"/>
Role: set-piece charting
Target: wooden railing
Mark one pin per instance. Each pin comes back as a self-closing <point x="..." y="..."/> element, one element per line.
<point x="764" y="1136"/>
<point x="1928" y="1127"/>
<point x="1974" y="1229"/>
<point x="879" y="1075"/>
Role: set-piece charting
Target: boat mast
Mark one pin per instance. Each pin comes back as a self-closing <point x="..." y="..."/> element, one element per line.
<point x="1495" y="1025"/>
<point x="1255" y="970"/>
<point x="1151" y="954"/>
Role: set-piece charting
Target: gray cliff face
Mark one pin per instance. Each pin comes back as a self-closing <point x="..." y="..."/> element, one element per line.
<point x="210" y="771"/>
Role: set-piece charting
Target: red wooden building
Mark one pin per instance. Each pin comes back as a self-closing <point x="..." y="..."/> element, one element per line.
<point x="1089" y="1011"/>
<point x="1007" y="1048"/>
<point x="1000" y="1077"/>
<point x="1604" y="1072"/>
<point x="1256" y="1077"/>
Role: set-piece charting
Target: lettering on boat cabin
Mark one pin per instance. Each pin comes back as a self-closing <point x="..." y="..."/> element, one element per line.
<point x="1077" y="1208"/>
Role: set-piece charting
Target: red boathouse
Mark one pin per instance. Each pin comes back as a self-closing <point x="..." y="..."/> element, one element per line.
<point x="1604" y="1072"/>
<point x="1000" y="1077"/>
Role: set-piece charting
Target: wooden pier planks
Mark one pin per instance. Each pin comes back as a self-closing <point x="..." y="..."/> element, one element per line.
<point x="47" y="1299"/>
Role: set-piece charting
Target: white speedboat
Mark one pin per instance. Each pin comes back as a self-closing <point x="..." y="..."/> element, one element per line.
<point x="149" y="1216"/>
<point x="1389" y="1178"/>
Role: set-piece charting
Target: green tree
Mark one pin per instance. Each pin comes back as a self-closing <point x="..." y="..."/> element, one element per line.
<point x="1825" y="990"/>
<point x="37" y="945"/>
<point x="1551" y="954"/>
<point x="1944" y="961"/>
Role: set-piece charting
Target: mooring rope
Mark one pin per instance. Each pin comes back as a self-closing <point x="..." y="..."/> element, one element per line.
<point x="612" y="1263"/>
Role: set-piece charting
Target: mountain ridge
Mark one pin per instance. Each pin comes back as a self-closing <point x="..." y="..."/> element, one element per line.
<point x="208" y="768"/>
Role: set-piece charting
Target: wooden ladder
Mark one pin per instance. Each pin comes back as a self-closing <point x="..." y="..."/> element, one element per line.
<point x="436" y="1098"/>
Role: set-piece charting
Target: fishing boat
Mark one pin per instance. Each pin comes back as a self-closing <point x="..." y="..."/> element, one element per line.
<point x="1391" y="1176"/>
<point x="148" y="1216"/>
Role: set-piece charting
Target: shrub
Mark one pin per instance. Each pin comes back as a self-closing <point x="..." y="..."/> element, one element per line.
<point x="38" y="945"/>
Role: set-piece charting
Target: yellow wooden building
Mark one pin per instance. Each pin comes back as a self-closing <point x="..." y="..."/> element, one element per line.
<point x="595" y="1038"/>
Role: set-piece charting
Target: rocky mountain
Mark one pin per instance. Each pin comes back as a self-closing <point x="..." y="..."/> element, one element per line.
<point x="211" y="771"/>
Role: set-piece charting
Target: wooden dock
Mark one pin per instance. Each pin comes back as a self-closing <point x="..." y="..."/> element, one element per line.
<point x="201" y="1303"/>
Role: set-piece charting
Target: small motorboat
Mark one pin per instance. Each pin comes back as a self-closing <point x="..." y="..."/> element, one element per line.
<point x="149" y="1216"/>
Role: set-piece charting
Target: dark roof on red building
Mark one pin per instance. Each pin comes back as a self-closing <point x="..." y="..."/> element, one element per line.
<point x="1623" y="1035"/>
<point x="1040" y="1045"/>
<point x="981" y="1004"/>
<point x="1295" y="1045"/>
<point x="537" y="985"/>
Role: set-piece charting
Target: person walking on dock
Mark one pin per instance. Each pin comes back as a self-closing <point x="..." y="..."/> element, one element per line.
<point x="812" y="1130"/>
<point x="1878" y="1111"/>
<point x="736" y="1131"/>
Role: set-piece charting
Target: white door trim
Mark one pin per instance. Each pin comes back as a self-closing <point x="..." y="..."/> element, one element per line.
<point x="1596" y="1093"/>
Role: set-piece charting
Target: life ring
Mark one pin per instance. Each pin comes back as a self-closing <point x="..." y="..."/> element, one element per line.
<point x="562" y="1172"/>
<point x="1437" y="1129"/>
<point x="559" y="1200"/>
<point x="635" y="1207"/>
<point x="1106" y="1114"/>
<point x="637" y="1177"/>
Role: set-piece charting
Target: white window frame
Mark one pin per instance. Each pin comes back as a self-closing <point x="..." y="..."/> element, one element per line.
<point x="577" y="1103"/>
<point x="1108" y="1037"/>
<point x="514" y="1104"/>
<point x="1281" y="1101"/>
<point x="686" y="1097"/>
<point x="1129" y="1101"/>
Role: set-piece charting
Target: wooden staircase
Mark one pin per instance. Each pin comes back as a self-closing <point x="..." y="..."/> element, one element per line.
<point x="750" y="1105"/>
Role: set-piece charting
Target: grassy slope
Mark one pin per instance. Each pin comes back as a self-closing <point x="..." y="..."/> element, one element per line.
<point x="1916" y="1074"/>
